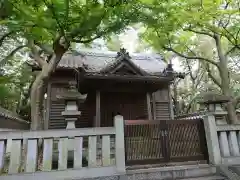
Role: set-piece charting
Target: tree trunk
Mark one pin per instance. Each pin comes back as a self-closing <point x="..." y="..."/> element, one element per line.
<point x="38" y="89"/>
<point x="36" y="96"/>
<point x="225" y="84"/>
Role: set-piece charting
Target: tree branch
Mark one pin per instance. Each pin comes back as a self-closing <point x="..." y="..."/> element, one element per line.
<point x="189" y="106"/>
<point x="67" y="10"/>
<point x="190" y="71"/>
<point x="212" y="77"/>
<point x="232" y="49"/>
<point x="53" y="62"/>
<point x="198" y="32"/>
<point x="90" y="39"/>
<point x="234" y="40"/>
<point x="6" y="36"/>
<point x="199" y="80"/>
<point x="46" y="48"/>
<point x="14" y="51"/>
<point x="41" y="62"/>
<point x="189" y="57"/>
<point x="189" y="68"/>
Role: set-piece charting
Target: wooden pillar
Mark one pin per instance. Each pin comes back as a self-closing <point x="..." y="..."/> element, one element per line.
<point x="170" y="103"/>
<point x="98" y="109"/>
<point x="154" y="109"/>
<point x="149" y="108"/>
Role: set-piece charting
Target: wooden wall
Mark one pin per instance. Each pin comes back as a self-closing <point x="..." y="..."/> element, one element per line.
<point x="160" y="100"/>
<point x="57" y="121"/>
<point x="130" y="105"/>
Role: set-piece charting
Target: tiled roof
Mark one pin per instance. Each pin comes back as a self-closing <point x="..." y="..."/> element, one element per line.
<point x="95" y="61"/>
<point x="192" y="116"/>
<point x="10" y="115"/>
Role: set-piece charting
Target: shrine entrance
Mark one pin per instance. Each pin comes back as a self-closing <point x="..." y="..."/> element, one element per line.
<point x="129" y="104"/>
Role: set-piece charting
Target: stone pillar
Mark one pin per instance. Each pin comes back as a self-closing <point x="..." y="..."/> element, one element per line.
<point x="228" y="141"/>
<point x="217" y="142"/>
<point x="212" y="140"/>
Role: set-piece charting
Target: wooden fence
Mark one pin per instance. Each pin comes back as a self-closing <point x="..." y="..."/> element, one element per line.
<point x="148" y="142"/>
<point x="22" y="163"/>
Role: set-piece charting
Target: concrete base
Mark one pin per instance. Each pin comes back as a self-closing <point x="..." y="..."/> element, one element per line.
<point x="171" y="172"/>
<point x="207" y="178"/>
<point x="191" y="172"/>
<point x="231" y="160"/>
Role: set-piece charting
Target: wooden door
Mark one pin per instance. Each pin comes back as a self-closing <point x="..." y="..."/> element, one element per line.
<point x="129" y="104"/>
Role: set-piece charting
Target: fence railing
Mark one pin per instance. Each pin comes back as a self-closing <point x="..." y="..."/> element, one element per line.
<point x="223" y="141"/>
<point x="35" y="158"/>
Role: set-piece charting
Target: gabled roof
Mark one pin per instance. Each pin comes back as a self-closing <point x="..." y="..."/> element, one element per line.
<point x="123" y="60"/>
<point x="98" y="61"/>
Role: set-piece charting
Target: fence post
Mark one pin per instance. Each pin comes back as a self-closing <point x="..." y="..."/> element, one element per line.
<point x="212" y="139"/>
<point x="119" y="144"/>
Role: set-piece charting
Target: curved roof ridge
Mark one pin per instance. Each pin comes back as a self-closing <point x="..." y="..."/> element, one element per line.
<point x="101" y="53"/>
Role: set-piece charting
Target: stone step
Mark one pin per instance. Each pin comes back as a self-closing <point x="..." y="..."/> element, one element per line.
<point x="174" y="172"/>
<point x="188" y="172"/>
<point x="214" y="177"/>
<point x="229" y="172"/>
<point x="129" y="178"/>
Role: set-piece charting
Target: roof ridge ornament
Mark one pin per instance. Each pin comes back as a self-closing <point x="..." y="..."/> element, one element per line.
<point x="123" y="53"/>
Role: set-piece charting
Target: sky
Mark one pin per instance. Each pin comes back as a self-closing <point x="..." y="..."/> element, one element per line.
<point x="129" y="40"/>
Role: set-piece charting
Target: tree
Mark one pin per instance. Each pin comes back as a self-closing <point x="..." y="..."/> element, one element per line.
<point x="15" y="81"/>
<point x="176" y="27"/>
<point x="48" y="27"/>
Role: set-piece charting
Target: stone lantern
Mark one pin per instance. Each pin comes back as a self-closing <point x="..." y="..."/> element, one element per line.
<point x="72" y="98"/>
<point x="214" y="104"/>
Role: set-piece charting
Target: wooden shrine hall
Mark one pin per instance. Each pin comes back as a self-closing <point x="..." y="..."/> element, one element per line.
<point x="135" y="86"/>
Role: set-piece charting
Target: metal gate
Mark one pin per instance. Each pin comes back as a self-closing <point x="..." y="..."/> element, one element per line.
<point x="152" y="142"/>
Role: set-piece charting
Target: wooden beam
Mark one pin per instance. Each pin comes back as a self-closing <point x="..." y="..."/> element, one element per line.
<point x="149" y="106"/>
<point x="98" y="109"/>
<point x="124" y="78"/>
<point x="110" y="86"/>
